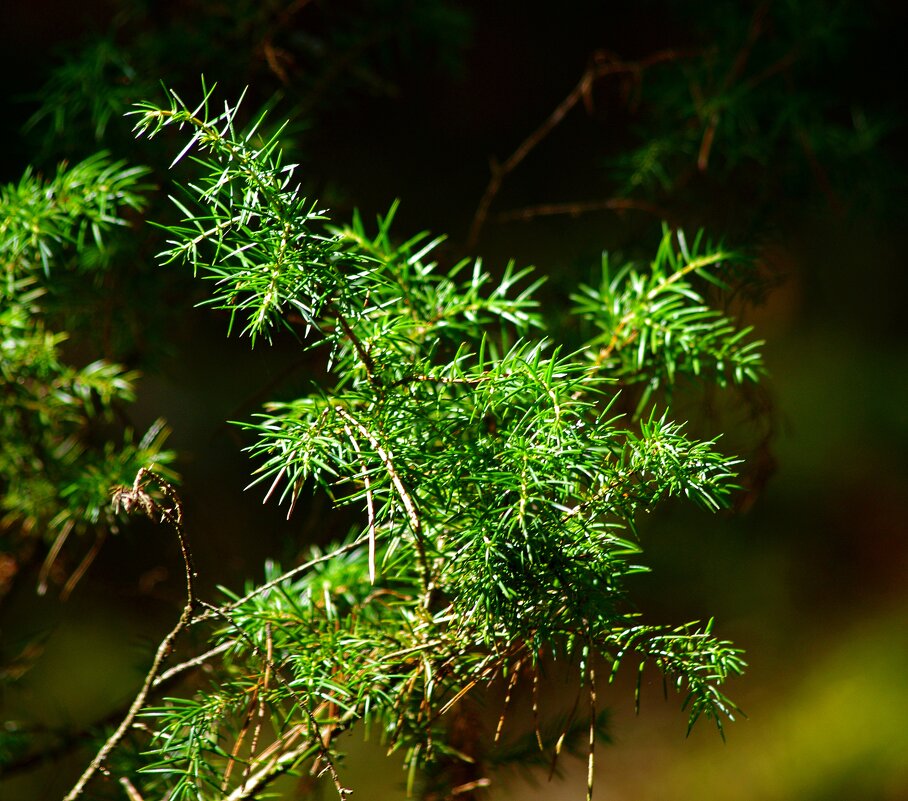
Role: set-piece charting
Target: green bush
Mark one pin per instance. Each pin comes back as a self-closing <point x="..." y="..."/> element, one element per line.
<point x="498" y="482"/>
<point x="495" y="460"/>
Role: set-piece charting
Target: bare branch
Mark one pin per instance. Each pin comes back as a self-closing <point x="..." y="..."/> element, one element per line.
<point x="602" y="65"/>
<point x="130" y="499"/>
<point x="576" y="208"/>
<point x="207" y="615"/>
<point x="189" y="664"/>
<point x="129" y="787"/>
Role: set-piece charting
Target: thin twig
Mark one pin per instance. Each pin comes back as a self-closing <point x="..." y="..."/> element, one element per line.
<point x="402" y="492"/>
<point x="439" y="379"/>
<point x="559" y="743"/>
<point x="470" y="786"/>
<point x="282" y="742"/>
<point x="754" y="30"/>
<point x="364" y="357"/>
<point x="266" y="680"/>
<point x="137" y="498"/>
<point x="325" y="755"/>
<point x="86" y="563"/>
<point x="257" y="708"/>
<point x="315" y="734"/>
<point x="189" y="664"/>
<point x="576" y="208"/>
<point x="512" y="682"/>
<point x="279" y="580"/>
<point x="370" y="504"/>
<point x="129" y="787"/>
<point x="241" y="736"/>
<point x="263" y="776"/>
<point x="52" y="555"/>
<point x="536" y="706"/>
<point x="601" y="66"/>
<point x="592" y="746"/>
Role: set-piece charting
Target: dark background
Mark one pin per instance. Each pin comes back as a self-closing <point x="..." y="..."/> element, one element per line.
<point x="810" y="578"/>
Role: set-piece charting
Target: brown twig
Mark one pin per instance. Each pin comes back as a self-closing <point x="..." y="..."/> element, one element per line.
<point x="754" y="31"/>
<point x="364" y="356"/>
<point x="277" y="57"/>
<point x="317" y="740"/>
<point x="577" y="208"/>
<point x="266" y="774"/>
<point x="130" y="789"/>
<point x="602" y="65"/>
<point x="559" y="743"/>
<point x="257" y="708"/>
<point x="240" y="738"/>
<point x="266" y="681"/>
<point x="52" y="555"/>
<point x="87" y="560"/>
<point x="207" y="615"/>
<point x="592" y="743"/>
<point x="468" y="787"/>
<point x="512" y="682"/>
<point x="131" y="498"/>
<point x="535" y="705"/>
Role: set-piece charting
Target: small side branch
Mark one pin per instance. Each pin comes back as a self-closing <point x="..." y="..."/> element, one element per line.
<point x="268" y="585"/>
<point x="189" y="664"/>
<point x="370" y="504"/>
<point x="402" y="492"/>
<point x="365" y="358"/>
<point x="591" y="760"/>
<point x="275" y="768"/>
<point x="575" y="209"/>
<point x="319" y="741"/>
<point x="754" y="31"/>
<point x="602" y="66"/>
<point x="130" y="499"/>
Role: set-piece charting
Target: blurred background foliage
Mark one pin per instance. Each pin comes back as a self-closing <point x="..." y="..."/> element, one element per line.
<point x="547" y="136"/>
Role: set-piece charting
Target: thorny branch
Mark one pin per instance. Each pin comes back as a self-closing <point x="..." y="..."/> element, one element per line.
<point x="130" y="499"/>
